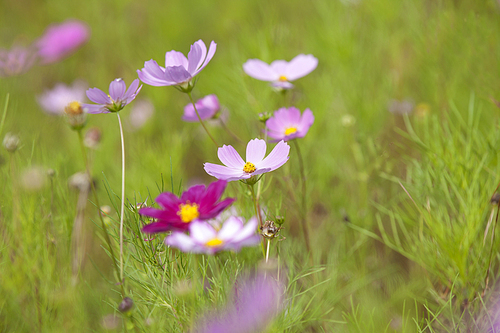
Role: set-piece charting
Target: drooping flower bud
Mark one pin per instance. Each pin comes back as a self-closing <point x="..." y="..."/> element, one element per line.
<point x="11" y="142"/>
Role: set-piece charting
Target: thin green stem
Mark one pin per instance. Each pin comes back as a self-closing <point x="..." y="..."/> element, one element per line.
<point x="303" y="208"/>
<point x="4" y="114"/>
<point x="201" y="121"/>
<point x="96" y="199"/>
<point x="229" y="131"/>
<point x="122" y="207"/>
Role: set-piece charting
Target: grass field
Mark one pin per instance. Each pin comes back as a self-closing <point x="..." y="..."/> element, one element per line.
<point x="400" y="166"/>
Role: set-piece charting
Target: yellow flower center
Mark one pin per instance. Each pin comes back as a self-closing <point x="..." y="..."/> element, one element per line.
<point x="188" y="212"/>
<point x="290" y="130"/>
<point x="73" y="108"/>
<point x="249" y="167"/>
<point x="215" y="242"/>
<point x="283" y="78"/>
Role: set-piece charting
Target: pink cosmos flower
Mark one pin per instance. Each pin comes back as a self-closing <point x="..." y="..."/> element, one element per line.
<point x="255" y="303"/>
<point x="204" y="238"/>
<point x="197" y="203"/>
<point x="16" y="61"/>
<point x="207" y="107"/>
<point x="287" y="124"/>
<point x="118" y="97"/>
<point x="55" y="100"/>
<point x="60" y="40"/>
<point x="178" y="70"/>
<point x="281" y="72"/>
<point x="235" y="168"/>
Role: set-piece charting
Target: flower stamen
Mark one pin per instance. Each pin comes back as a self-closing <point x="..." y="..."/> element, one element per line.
<point x="188" y="212"/>
<point x="214" y="242"/>
<point x="249" y="167"/>
<point x="283" y="78"/>
<point x="290" y="130"/>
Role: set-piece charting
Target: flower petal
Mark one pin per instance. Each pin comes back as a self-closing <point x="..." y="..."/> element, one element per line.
<point x="210" y="55"/>
<point x="225" y="173"/>
<point x="230" y="157"/>
<point x="193" y="194"/>
<point x="196" y="55"/>
<point x="153" y="74"/>
<point x="260" y="70"/>
<point x="180" y="241"/>
<point x="201" y="232"/>
<point x="94" y="108"/>
<point x="156" y="227"/>
<point x="174" y="58"/>
<point x="300" y="66"/>
<point x="256" y="150"/>
<point x="98" y="96"/>
<point x="277" y="157"/>
<point x="230" y="229"/>
<point x="177" y="74"/>
<point x="279" y="67"/>
<point x="117" y="88"/>
<point x="168" y="200"/>
<point x="305" y="122"/>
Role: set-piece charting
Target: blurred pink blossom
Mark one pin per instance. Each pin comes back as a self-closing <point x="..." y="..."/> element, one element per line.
<point x="207" y="108"/>
<point x="55" y="100"/>
<point x="16" y="61"/>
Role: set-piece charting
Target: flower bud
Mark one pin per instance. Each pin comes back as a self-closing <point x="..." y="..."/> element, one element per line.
<point x="75" y="115"/>
<point x="79" y="181"/>
<point x="92" y="138"/>
<point x="264" y="116"/>
<point x="126" y="305"/>
<point x="11" y="142"/>
<point x="269" y="230"/>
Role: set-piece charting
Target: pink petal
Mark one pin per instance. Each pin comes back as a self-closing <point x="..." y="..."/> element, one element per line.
<point x="256" y="150"/>
<point x="300" y="66"/>
<point x="230" y="157"/>
<point x="152" y="74"/>
<point x="279" y="67"/>
<point x="230" y="228"/>
<point x="116" y="89"/>
<point x="210" y="55"/>
<point x="196" y="56"/>
<point x="180" y="241"/>
<point x="277" y="157"/>
<point x="98" y="96"/>
<point x="225" y="173"/>
<point x="306" y="121"/>
<point x="174" y="58"/>
<point x="260" y="70"/>
<point x="201" y="232"/>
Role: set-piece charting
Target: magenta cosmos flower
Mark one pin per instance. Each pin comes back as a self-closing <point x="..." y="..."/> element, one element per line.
<point x="207" y="107"/>
<point x="235" y="168"/>
<point x="287" y="124"/>
<point x="60" y="40"/>
<point x="178" y="70"/>
<point x="55" y="100"/>
<point x="204" y="238"/>
<point x="197" y="203"/>
<point x="281" y="72"/>
<point x="118" y="97"/>
<point x="16" y="61"/>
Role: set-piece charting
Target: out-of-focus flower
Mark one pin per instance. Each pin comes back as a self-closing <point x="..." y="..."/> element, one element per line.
<point x="142" y="110"/>
<point x="287" y="124"/>
<point x="60" y="40"/>
<point x="33" y="178"/>
<point x="92" y="138"/>
<point x="75" y="116"/>
<point x="197" y="203"/>
<point x="16" y="61"/>
<point x="207" y="107"/>
<point x="55" y="100"/>
<point x="347" y="120"/>
<point x="204" y="238"/>
<point x="178" y="70"/>
<point x="281" y="72"/>
<point x="256" y="303"/>
<point x="79" y="181"/>
<point x="11" y="142"/>
<point x="400" y="107"/>
<point x="422" y="110"/>
<point x="118" y="97"/>
<point x="235" y="168"/>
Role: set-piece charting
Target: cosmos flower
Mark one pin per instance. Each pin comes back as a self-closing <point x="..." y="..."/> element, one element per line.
<point x="207" y="107"/>
<point x="204" y="238"/>
<point x="55" y="100"/>
<point x="178" y="70"/>
<point x="281" y="72"/>
<point x="197" y="203"/>
<point x="60" y="40"/>
<point x="16" y="61"/>
<point x="116" y="100"/>
<point x="255" y="303"/>
<point x="287" y="124"/>
<point x="235" y="168"/>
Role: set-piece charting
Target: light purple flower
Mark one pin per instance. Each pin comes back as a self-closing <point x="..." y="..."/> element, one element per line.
<point x="207" y="107"/>
<point x="178" y="70"/>
<point x="16" y="61"/>
<point x="141" y="112"/>
<point x="281" y="72"/>
<point x="235" y="168"/>
<point x="197" y="203"/>
<point x="287" y="124"/>
<point x="118" y="97"/>
<point x="256" y="303"/>
<point x="60" y="40"/>
<point x="55" y="100"/>
<point x="204" y="238"/>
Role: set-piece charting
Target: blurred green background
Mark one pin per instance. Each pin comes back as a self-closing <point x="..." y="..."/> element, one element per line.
<point x="430" y="53"/>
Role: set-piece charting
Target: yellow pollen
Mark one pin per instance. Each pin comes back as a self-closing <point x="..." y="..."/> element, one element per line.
<point x="290" y="130"/>
<point x="73" y="108"/>
<point x="188" y="212"/>
<point x="215" y="242"/>
<point x="283" y="78"/>
<point x="249" y="167"/>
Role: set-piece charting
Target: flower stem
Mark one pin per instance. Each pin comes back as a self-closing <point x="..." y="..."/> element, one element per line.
<point x="122" y="206"/>
<point x="303" y="208"/>
<point x="267" y="252"/>
<point x="201" y="121"/>
<point x="229" y="131"/>
<point x="96" y="199"/>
